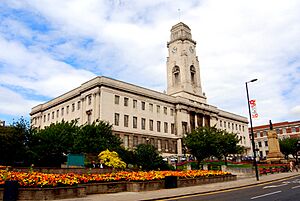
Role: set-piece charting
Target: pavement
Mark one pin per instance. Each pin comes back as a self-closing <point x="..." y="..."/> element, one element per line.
<point x="168" y="193"/>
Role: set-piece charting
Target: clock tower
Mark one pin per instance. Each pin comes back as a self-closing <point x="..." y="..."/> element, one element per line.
<point x="183" y="69"/>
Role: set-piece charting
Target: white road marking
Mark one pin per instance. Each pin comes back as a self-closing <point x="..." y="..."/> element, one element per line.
<point x="295" y="187"/>
<point x="259" y="196"/>
<point x="274" y="186"/>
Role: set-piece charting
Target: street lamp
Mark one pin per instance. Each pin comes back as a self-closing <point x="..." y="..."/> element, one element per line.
<point x="252" y="135"/>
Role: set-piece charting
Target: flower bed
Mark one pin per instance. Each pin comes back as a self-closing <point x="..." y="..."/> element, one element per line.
<point x="37" y="179"/>
<point x="41" y="186"/>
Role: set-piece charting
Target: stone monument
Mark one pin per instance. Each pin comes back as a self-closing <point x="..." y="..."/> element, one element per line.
<point x="274" y="155"/>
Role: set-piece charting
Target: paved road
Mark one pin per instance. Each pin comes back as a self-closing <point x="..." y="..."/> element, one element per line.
<point x="275" y="191"/>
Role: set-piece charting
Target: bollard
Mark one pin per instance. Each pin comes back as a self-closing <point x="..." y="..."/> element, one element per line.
<point x="10" y="191"/>
<point x="170" y="182"/>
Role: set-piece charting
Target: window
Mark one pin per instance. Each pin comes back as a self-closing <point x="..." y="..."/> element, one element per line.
<point x="78" y="105"/>
<point x="239" y="127"/>
<point x="126" y="141"/>
<point x="166" y="127"/>
<point x="236" y="126"/>
<point x="89" y="100"/>
<point x="150" y="107"/>
<point x="151" y="125"/>
<point x="126" y="118"/>
<point x="166" y="145"/>
<point x="232" y="126"/>
<point x="135" y="141"/>
<point x="172" y="128"/>
<point x="67" y="109"/>
<point x="144" y="140"/>
<point x="265" y="133"/>
<point x="143" y="105"/>
<point x="152" y="141"/>
<point x="244" y="140"/>
<point x="117" y="100"/>
<point x="159" y="145"/>
<point x="258" y="134"/>
<point x="266" y="143"/>
<point x="62" y="111"/>
<point x="165" y="110"/>
<point x="44" y="118"/>
<point x="158" y="126"/>
<point x="57" y="113"/>
<point x="172" y="112"/>
<point x="259" y="144"/>
<point x="193" y="71"/>
<point x="184" y="127"/>
<point x="134" y="122"/>
<point x="134" y="103"/>
<point x="243" y="128"/>
<point x="125" y="101"/>
<point x="228" y="124"/>
<point x="48" y="116"/>
<point x="224" y="124"/>
<point x="283" y="130"/>
<point x="277" y="130"/>
<point x="293" y="129"/>
<point x="73" y="107"/>
<point x="143" y="123"/>
<point x="220" y="123"/>
<point x="176" y="73"/>
<point x="89" y="117"/>
<point x="117" y="118"/>
<point x="158" y="109"/>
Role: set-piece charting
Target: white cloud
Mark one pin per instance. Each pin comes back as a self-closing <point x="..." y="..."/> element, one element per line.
<point x="236" y="41"/>
<point x="12" y="103"/>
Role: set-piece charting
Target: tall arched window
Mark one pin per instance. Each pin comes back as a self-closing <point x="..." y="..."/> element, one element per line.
<point x="193" y="72"/>
<point x="176" y="74"/>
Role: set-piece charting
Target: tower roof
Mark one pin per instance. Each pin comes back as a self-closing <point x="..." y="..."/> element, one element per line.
<point x="181" y="31"/>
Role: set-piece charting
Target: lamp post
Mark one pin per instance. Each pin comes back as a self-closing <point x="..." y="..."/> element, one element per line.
<point x="252" y="135"/>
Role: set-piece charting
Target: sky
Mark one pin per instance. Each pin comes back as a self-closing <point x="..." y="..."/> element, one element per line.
<point x="50" y="47"/>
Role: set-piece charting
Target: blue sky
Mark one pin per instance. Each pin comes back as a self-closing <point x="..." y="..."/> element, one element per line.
<point x="50" y="47"/>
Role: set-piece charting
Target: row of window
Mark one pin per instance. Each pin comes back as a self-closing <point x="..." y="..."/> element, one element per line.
<point x="231" y="126"/>
<point x="64" y="110"/>
<point x="159" y="144"/>
<point x="143" y="123"/>
<point x="143" y="105"/>
<point x="278" y="131"/>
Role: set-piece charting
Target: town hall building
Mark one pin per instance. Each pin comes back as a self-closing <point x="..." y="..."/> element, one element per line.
<point x="141" y="115"/>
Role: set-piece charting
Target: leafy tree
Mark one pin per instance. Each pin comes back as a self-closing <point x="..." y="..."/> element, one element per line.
<point x="148" y="157"/>
<point x="14" y="143"/>
<point x="50" y="145"/>
<point x="227" y="143"/>
<point x="289" y="146"/>
<point x="97" y="137"/>
<point x="111" y="159"/>
<point x="201" y="142"/>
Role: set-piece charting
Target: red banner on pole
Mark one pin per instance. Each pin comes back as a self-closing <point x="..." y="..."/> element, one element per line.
<point x="253" y="109"/>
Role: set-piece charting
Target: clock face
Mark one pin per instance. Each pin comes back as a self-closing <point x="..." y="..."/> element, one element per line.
<point x="191" y="49"/>
<point x="174" y="50"/>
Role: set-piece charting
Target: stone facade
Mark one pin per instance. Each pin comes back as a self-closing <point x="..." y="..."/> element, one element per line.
<point x="141" y="115"/>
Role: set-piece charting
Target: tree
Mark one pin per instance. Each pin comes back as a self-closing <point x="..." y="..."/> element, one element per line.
<point x="111" y="159"/>
<point x="14" y="143"/>
<point x="148" y="158"/>
<point x="227" y="143"/>
<point x="96" y="138"/>
<point x="289" y="146"/>
<point x="201" y="142"/>
<point x="50" y="145"/>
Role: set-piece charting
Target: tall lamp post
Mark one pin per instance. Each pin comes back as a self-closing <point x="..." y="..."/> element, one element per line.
<point x="252" y="135"/>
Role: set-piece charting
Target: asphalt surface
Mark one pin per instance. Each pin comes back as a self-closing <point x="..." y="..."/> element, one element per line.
<point x="274" y="191"/>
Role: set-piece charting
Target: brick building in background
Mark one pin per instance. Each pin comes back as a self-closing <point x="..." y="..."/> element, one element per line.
<point x="284" y="129"/>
